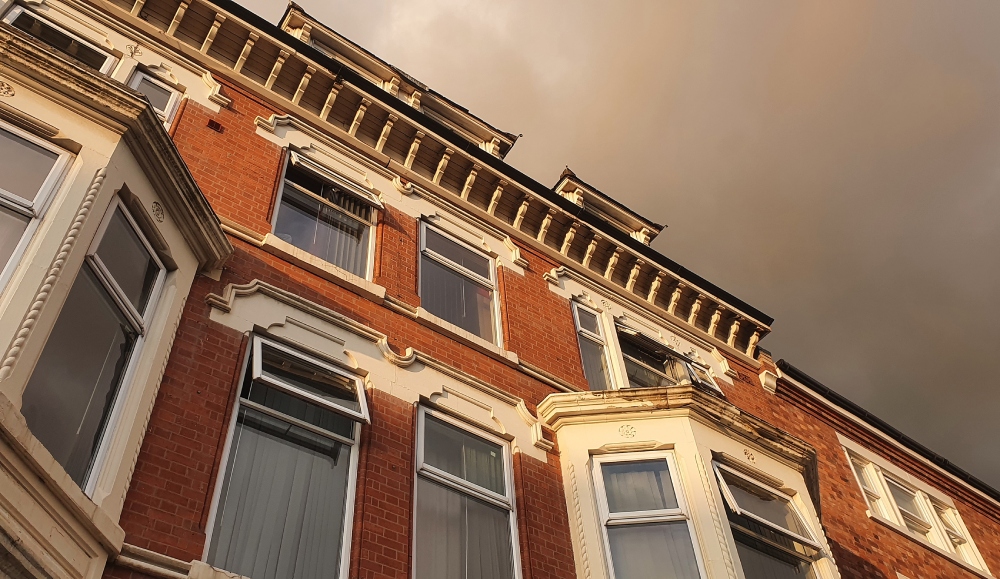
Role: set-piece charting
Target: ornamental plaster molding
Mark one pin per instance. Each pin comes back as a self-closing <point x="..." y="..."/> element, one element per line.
<point x="215" y="91"/>
<point x="55" y="270"/>
<point x="580" y="528"/>
<point x="557" y="410"/>
<point x="720" y="533"/>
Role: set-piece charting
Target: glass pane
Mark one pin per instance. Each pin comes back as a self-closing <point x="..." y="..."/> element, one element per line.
<point x="455" y="298"/>
<point x="652" y="551"/>
<point x="638" y="486"/>
<point x="320" y="187"/>
<point x="127" y="259"/>
<point x="60" y="41"/>
<point x="281" y="511"/>
<point x="318" y="381"/>
<point x="24" y="165"/>
<point x="757" y="501"/>
<point x="469" y="457"/>
<point x="859" y="469"/>
<point x="642" y="377"/>
<point x="329" y="234"/>
<point x="298" y="408"/>
<point x="595" y="366"/>
<point x="461" y="255"/>
<point x="588" y="321"/>
<point x="76" y="380"/>
<point x="12" y="226"/>
<point x="905" y="500"/>
<point x="459" y="537"/>
<point x="158" y="96"/>
<point x="762" y="561"/>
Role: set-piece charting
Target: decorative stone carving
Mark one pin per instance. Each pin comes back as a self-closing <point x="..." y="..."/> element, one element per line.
<point x="6" y="90"/>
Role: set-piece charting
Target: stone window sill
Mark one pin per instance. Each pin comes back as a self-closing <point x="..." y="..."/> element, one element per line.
<point x="326" y="270"/>
<point x="927" y="544"/>
<point x="452" y="331"/>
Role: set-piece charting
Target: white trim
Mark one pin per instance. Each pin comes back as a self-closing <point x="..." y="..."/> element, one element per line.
<point x="598" y="338"/>
<point x="335" y="178"/>
<point x="167" y="114"/>
<point x="34" y="210"/>
<point x="359" y="388"/>
<point x="110" y="60"/>
<point x="607" y="518"/>
<point x="347" y="531"/>
<point x="425" y="470"/>
<point x="489" y="283"/>
<point x="735" y="506"/>
<point x="684" y="359"/>
<point x="140" y="324"/>
<point x="928" y="501"/>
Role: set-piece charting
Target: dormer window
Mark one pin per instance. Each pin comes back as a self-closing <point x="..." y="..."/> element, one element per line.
<point x="67" y="43"/>
<point x="651" y="364"/>
<point x="326" y="215"/>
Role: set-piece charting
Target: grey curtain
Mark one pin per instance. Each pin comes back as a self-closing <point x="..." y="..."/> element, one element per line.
<point x="595" y="366"/>
<point x="460" y="537"/>
<point x="325" y="232"/>
<point x="653" y="551"/>
<point x="761" y="562"/>
<point x="455" y="298"/>
<point x="466" y="456"/>
<point x="281" y="513"/>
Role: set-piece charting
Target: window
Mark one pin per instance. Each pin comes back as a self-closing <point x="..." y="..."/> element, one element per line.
<point x="464" y="527"/>
<point x="285" y="502"/>
<point x="772" y="538"/>
<point x="646" y="527"/>
<point x="592" y="347"/>
<point x="68" y="44"/>
<point x="69" y="400"/>
<point x="649" y="363"/>
<point x="326" y="215"/>
<point x="30" y="171"/>
<point x="161" y="95"/>
<point x="925" y="517"/>
<point x="457" y="283"/>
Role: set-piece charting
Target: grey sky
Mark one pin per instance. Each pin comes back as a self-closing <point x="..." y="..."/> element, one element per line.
<point x="835" y="164"/>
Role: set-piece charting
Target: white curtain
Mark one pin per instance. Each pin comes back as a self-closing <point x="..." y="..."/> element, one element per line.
<point x="281" y="514"/>
<point x="459" y="537"/>
<point x="638" y="486"/>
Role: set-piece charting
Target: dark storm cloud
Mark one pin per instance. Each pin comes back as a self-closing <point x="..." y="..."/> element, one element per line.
<point x="836" y="164"/>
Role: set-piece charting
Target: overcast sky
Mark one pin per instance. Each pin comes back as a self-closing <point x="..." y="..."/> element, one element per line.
<point x="835" y="164"/>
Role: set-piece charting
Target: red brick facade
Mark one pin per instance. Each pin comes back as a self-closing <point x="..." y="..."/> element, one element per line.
<point x="167" y="507"/>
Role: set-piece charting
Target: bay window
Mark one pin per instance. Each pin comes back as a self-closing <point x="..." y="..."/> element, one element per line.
<point x="464" y="522"/>
<point x="77" y="49"/>
<point x="645" y="522"/>
<point x="326" y="215"/>
<point x="30" y="171"/>
<point x="593" y="349"/>
<point x="285" y="502"/>
<point x="77" y="383"/>
<point x="458" y="283"/>
<point x="773" y="540"/>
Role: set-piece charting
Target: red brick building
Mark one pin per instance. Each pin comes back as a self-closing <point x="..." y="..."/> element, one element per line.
<point x="417" y="361"/>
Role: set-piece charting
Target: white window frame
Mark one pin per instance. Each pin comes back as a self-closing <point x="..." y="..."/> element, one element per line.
<point x="109" y="62"/>
<point x="258" y="374"/>
<point x="598" y="338"/>
<point x="735" y="507"/>
<point x="35" y="209"/>
<point x="684" y="359"/>
<point x="166" y="115"/>
<point x="321" y="172"/>
<point x="607" y="518"/>
<point x="350" y="495"/>
<point x="447" y="479"/>
<point x="955" y="542"/>
<point x="489" y="283"/>
<point x="140" y="324"/>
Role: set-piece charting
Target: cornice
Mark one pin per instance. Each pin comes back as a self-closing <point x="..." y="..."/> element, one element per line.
<point x="118" y="108"/>
<point x="559" y="410"/>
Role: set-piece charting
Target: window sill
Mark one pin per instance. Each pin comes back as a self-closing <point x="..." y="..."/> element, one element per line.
<point x="927" y="544"/>
<point x="309" y="262"/>
<point x="451" y="330"/>
<point x="61" y="493"/>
